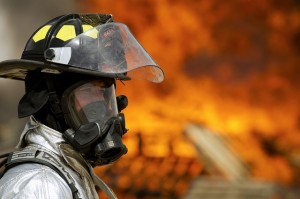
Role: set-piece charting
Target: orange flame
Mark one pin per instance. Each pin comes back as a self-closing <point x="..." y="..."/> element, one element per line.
<point x="232" y="67"/>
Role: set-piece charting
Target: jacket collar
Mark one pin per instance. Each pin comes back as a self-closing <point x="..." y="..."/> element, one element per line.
<point x="39" y="134"/>
<point x="42" y="137"/>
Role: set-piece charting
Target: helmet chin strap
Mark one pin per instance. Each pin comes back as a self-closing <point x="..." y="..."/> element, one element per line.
<point x="103" y="186"/>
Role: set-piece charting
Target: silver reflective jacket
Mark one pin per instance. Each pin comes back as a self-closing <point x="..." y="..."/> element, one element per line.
<point x="30" y="180"/>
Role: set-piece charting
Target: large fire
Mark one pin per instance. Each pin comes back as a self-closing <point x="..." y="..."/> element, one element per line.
<point x="231" y="66"/>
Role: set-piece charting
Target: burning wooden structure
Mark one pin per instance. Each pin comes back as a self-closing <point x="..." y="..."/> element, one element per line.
<point x="230" y="176"/>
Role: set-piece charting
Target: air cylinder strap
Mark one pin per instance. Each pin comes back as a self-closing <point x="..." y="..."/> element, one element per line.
<point x="41" y="157"/>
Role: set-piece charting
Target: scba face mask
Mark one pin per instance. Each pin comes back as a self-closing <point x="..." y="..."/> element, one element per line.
<point x="97" y="128"/>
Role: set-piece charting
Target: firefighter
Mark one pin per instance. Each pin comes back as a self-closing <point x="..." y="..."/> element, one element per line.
<point x="70" y="67"/>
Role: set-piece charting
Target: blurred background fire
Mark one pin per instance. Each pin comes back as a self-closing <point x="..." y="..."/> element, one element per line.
<point x="232" y="70"/>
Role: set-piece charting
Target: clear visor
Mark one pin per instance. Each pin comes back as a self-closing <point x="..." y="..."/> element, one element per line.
<point x="90" y="102"/>
<point x="109" y="48"/>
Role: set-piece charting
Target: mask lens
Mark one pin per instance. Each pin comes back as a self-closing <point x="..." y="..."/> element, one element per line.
<point x="92" y="101"/>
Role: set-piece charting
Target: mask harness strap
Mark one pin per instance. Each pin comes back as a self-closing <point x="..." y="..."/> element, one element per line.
<point x="54" y="102"/>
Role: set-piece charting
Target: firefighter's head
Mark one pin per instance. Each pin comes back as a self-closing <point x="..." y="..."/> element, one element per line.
<point x="70" y="67"/>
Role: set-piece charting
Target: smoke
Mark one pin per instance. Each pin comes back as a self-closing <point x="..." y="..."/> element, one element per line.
<point x="18" y="21"/>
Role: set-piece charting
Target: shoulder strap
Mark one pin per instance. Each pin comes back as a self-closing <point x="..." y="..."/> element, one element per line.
<point x="41" y="157"/>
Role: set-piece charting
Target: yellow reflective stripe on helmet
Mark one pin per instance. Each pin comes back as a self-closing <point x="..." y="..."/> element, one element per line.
<point x="41" y="34"/>
<point x="92" y="33"/>
<point x="66" y="32"/>
<point x="86" y="27"/>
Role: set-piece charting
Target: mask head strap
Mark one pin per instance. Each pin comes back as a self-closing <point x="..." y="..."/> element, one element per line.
<point x="54" y="101"/>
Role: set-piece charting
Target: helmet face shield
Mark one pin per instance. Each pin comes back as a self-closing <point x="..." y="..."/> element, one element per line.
<point x="110" y="49"/>
<point x="87" y="102"/>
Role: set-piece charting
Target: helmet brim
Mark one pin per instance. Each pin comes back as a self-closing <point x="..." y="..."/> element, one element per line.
<point x="18" y="69"/>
